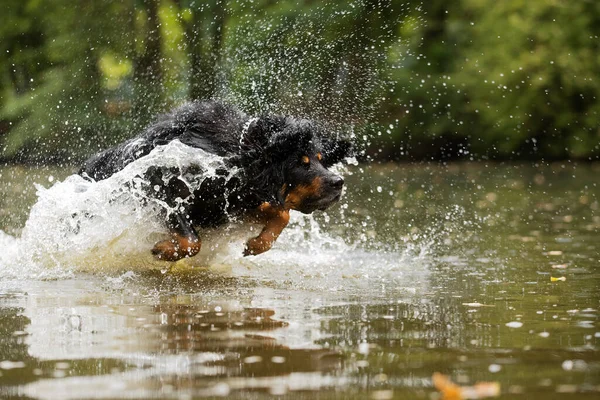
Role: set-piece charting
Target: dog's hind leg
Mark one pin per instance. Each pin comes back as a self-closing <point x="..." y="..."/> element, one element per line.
<point x="275" y="220"/>
<point x="184" y="241"/>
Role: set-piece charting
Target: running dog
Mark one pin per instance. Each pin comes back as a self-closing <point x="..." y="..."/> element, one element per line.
<point x="274" y="164"/>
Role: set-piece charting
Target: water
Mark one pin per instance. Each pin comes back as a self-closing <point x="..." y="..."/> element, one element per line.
<point x="482" y="272"/>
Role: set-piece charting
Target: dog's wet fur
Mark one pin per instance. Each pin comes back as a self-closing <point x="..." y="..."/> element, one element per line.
<point x="279" y="164"/>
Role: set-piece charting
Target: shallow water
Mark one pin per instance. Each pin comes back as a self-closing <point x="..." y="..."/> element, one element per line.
<point x="481" y="272"/>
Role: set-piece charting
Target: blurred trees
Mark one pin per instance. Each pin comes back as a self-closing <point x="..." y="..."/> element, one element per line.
<point x="511" y="79"/>
<point x="55" y="106"/>
<point x="418" y="80"/>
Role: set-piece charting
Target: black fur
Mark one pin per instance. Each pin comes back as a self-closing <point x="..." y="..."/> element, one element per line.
<point x="267" y="152"/>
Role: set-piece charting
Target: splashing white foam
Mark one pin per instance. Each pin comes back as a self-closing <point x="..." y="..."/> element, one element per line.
<point x="86" y="225"/>
<point x="308" y="258"/>
<point x="111" y="225"/>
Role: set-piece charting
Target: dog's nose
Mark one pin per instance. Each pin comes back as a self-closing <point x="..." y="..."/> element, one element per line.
<point x="337" y="182"/>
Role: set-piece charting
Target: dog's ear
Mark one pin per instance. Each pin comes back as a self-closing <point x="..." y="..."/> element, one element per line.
<point x="335" y="150"/>
<point x="297" y="135"/>
<point x="259" y="131"/>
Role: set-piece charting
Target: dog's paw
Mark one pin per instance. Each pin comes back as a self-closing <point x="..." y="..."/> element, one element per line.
<point x="256" y="246"/>
<point x="167" y="250"/>
<point x="177" y="248"/>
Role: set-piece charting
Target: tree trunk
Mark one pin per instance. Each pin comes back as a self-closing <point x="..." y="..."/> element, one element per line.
<point x="147" y="73"/>
<point x="204" y="48"/>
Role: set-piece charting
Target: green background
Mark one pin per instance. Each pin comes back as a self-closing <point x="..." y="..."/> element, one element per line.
<point x="411" y="80"/>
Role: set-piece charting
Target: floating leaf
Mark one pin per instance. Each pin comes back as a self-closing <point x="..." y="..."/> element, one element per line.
<point x="452" y="391"/>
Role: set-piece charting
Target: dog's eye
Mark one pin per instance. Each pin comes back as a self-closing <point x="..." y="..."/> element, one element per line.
<point x="305" y="160"/>
<point x="319" y="156"/>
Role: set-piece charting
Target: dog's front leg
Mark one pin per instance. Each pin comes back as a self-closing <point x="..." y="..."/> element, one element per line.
<point x="275" y="220"/>
<point x="184" y="241"/>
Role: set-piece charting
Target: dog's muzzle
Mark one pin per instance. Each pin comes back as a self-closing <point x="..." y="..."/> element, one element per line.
<point x="330" y="194"/>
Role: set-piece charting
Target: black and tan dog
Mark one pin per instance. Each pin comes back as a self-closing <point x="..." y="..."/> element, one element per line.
<point x="274" y="164"/>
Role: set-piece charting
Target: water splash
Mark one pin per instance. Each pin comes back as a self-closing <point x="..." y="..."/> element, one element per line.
<point x="309" y="258"/>
<point x="86" y="225"/>
<point x="111" y="225"/>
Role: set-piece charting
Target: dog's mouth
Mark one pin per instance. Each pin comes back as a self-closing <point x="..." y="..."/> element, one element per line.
<point x="331" y="202"/>
<point x="320" y="204"/>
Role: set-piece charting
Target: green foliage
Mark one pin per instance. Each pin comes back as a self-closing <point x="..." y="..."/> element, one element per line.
<point x="540" y="76"/>
<point x="510" y="79"/>
<point x="60" y="114"/>
<point x="513" y="79"/>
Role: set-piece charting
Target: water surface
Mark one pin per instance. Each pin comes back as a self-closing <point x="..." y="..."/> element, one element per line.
<point x="483" y="272"/>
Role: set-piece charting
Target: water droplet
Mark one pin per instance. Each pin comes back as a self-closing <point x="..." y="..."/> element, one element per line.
<point x="493" y="368"/>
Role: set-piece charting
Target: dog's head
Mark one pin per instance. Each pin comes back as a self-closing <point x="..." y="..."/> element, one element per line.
<point x="296" y="155"/>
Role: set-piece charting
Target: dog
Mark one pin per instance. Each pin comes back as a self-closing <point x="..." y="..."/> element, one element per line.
<point x="273" y="164"/>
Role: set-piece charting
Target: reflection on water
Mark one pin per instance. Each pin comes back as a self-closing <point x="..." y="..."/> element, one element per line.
<point x="482" y="273"/>
<point x="152" y="342"/>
